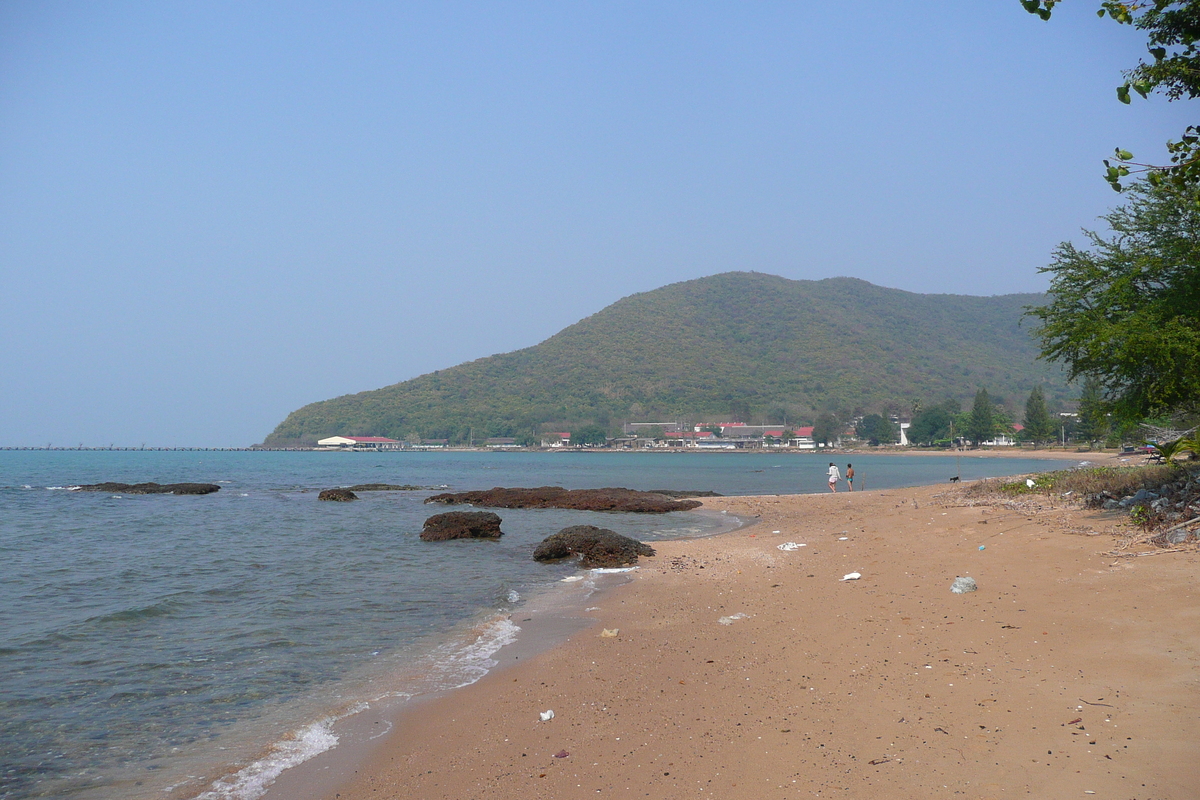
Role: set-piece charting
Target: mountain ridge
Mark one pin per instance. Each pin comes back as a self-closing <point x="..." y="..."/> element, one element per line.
<point x="737" y="345"/>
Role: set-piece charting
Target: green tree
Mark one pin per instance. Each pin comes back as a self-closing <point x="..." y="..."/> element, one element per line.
<point x="981" y="425"/>
<point x="589" y="434"/>
<point x="877" y="430"/>
<point x="1092" y="423"/>
<point x="1039" y="427"/>
<point x="930" y="425"/>
<point x="827" y="428"/>
<point x="1173" y="32"/>
<point x="1126" y="311"/>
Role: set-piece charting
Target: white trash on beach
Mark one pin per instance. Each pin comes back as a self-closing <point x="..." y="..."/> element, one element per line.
<point x="853" y="576"/>
<point x="547" y="715"/>
<point x="791" y="545"/>
<point x="963" y="585"/>
<point x="608" y="633"/>
<point x="729" y="620"/>
<point x="843" y="538"/>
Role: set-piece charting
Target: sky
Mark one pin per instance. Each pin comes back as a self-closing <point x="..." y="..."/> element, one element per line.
<point x="214" y="213"/>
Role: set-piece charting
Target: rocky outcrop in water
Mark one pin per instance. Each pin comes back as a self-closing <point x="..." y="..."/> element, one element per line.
<point x="462" y="525"/>
<point x="628" y="500"/>
<point x="595" y="547"/>
<point x="151" y="488"/>
<point x="337" y="495"/>
<point x="677" y="493"/>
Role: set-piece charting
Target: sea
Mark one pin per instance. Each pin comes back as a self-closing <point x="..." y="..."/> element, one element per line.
<point x="161" y="646"/>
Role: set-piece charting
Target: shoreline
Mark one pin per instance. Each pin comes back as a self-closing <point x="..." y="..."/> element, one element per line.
<point x="1068" y="671"/>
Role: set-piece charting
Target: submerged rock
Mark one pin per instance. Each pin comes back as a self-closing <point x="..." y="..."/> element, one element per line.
<point x="462" y="525"/>
<point x="595" y="547"/>
<point x="677" y="493"/>
<point x="151" y="488"/>
<point x="337" y="495"/>
<point x="577" y="499"/>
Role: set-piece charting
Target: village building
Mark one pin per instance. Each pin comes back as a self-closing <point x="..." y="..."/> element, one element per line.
<point x="359" y="443"/>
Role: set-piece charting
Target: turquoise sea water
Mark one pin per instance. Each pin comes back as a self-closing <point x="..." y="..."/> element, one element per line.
<point x="148" y="644"/>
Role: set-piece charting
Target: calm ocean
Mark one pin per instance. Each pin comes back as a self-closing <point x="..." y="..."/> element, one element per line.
<point x="150" y="643"/>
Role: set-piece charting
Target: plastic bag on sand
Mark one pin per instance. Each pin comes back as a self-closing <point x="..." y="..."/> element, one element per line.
<point x="963" y="585"/>
<point x="729" y="620"/>
<point x="608" y="633"/>
<point x="790" y="546"/>
<point x="547" y="715"/>
<point x="853" y="576"/>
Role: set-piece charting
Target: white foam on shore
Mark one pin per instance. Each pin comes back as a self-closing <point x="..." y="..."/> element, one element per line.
<point x="253" y="781"/>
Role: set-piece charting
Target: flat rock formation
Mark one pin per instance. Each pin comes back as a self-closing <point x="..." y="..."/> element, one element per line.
<point x="595" y="547"/>
<point x="337" y="495"/>
<point x="151" y="488"/>
<point x="677" y="493"/>
<point x="462" y="525"/>
<point x="575" y="499"/>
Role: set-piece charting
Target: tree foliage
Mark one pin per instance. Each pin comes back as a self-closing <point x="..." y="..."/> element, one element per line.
<point x="827" y="428"/>
<point x="1126" y="311"/>
<point x="588" y="434"/>
<point x="1173" y="33"/>
<point x="932" y="424"/>
<point x="1039" y="427"/>
<point x="1092" y="423"/>
<point x="877" y="430"/>
<point x="981" y="425"/>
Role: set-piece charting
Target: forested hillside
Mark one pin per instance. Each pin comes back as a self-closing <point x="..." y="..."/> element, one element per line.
<point x="740" y="346"/>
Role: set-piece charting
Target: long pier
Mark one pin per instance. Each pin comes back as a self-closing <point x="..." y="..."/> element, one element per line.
<point x="167" y="449"/>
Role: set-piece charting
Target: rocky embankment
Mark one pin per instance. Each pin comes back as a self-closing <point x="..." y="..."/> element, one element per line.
<point x="611" y="499"/>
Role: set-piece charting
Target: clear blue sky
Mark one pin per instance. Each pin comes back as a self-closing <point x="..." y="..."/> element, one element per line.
<point x="213" y="213"/>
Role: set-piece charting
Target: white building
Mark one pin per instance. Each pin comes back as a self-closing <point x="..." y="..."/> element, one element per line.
<point x="359" y="443"/>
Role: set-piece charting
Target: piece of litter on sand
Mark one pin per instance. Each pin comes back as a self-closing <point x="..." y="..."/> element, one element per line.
<point x="776" y="531"/>
<point x="843" y="538"/>
<point x="963" y="585"/>
<point x="729" y="620"/>
<point x="983" y="547"/>
<point x="547" y="715"/>
<point x="791" y="545"/>
<point x="1030" y="482"/>
<point x="561" y="754"/>
<point x="853" y="576"/>
<point x="608" y="633"/>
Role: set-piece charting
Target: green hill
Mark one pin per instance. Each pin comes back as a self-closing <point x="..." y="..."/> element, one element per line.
<point x="740" y="346"/>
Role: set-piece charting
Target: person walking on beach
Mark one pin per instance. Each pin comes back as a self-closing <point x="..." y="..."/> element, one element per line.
<point x="834" y="477"/>
<point x="850" y="476"/>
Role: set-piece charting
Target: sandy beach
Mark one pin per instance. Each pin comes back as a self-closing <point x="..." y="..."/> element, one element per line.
<point x="731" y="668"/>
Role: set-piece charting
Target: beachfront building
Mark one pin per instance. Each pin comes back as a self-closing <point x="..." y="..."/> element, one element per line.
<point x="556" y="440"/>
<point x="501" y="443"/>
<point x="430" y="444"/>
<point x="359" y="443"/>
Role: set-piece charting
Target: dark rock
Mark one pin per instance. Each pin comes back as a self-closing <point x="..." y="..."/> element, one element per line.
<point x="462" y="525"/>
<point x="151" y="488"/>
<point x="385" y="487"/>
<point x="575" y="499"/>
<point x="677" y="493"/>
<point x="595" y="547"/>
<point x="337" y="495"/>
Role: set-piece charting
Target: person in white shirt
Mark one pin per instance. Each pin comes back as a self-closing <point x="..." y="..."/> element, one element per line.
<point x="834" y="476"/>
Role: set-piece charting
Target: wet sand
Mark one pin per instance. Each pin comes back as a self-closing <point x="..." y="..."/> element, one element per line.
<point x="739" y="670"/>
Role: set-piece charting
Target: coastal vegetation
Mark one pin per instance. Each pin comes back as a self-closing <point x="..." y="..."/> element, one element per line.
<point x="734" y="347"/>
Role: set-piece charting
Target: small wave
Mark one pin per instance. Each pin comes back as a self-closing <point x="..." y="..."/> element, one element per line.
<point x="514" y="596"/>
<point x="462" y="665"/>
<point x="252" y="781"/>
<point x="61" y="488"/>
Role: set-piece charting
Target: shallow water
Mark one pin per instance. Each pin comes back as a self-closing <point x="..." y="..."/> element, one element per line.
<point x="151" y="641"/>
